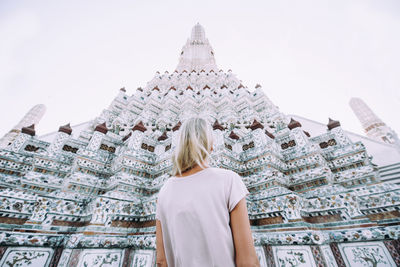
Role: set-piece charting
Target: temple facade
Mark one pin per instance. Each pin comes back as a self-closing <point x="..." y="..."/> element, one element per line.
<point x="86" y="195"/>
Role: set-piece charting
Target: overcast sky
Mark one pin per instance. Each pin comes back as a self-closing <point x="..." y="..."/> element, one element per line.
<point x="310" y="57"/>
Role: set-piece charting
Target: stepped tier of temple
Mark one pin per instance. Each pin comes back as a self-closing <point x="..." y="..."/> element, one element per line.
<point x="86" y="195"/>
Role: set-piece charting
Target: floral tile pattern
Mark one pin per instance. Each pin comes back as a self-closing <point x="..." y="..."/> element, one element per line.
<point x="101" y="258"/>
<point x="328" y="256"/>
<point x="26" y="256"/>
<point x="64" y="258"/>
<point x="143" y="258"/>
<point x="366" y="254"/>
<point x="293" y="256"/>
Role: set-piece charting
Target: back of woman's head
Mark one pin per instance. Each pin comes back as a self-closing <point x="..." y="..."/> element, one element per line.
<point x="193" y="146"/>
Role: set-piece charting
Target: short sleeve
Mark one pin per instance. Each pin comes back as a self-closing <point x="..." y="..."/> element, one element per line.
<point x="158" y="203"/>
<point x="237" y="191"/>
<point x="158" y="210"/>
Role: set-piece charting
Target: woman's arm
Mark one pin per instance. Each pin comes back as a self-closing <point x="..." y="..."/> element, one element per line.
<point x="244" y="244"/>
<point x="160" y="253"/>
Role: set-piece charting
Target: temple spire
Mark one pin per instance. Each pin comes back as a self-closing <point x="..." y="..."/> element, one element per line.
<point x="198" y="34"/>
<point x="197" y="54"/>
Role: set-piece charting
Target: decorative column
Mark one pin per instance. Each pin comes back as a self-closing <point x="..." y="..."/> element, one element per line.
<point x="160" y="147"/>
<point x="218" y="134"/>
<point x="135" y="140"/>
<point x="237" y="147"/>
<point x="99" y="132"/>
<point x="299" y="136"/>
<point x="26" y="134"/>
<point x="336" y="130"/>
<point x="64" y="132"/>
<point x="259" y="137"/>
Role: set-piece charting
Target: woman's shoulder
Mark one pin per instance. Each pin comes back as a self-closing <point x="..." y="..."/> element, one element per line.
<point x="223" y="172"/>
<point x="163" y="187"/>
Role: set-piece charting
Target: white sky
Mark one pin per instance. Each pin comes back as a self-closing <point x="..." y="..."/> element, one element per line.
<point x="309" y="56"/>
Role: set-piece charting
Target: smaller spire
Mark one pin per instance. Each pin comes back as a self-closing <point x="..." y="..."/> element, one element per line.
<point x="333" y="124"/>
<point x="30" y="130"/>
<point x="293" y="124"/>
<point x="139" y="127"/>
<point x="65" y="129"/>
<point x="102" y="128"/>
<point x="256" y="125"/>
<point x="126" y="137"/>
<point x="177" y="126"/>
<point x="163" y="137"/>
<point x="270" y="135"/>
<point x="217" y="126"/>
<point x="307" y="133"/>
<point x="233" y="135"/>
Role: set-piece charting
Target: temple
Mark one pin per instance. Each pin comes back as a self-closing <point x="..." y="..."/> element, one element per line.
<point x="373" y="126"/>
<point x="85" y="195"/>
<point x="33" y="116"/>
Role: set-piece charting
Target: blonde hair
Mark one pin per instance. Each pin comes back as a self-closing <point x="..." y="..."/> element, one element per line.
<point x="193" y="146"/>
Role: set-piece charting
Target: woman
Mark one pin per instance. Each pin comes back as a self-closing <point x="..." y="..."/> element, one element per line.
<point x="201" y="217"/>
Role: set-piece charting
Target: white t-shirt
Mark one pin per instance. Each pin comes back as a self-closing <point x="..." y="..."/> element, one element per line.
<point x="194" y="215"/>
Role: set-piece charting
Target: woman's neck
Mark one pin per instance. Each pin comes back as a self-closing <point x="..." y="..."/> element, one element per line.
<point x="193" y="170"/>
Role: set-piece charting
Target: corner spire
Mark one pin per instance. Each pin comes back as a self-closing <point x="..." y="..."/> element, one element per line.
<point x="197" y="54"/>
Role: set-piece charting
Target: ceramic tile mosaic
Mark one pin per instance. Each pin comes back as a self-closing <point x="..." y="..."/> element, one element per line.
<point x="393" y="247"/>
<point x="101" y="258"/>
<point x="74" y="257"/>
<point x="64" y="258"/>
<point x="290" y="256"/>
<point x="318" y="258"/>
<point x="328" y="256"/>
<point x="336" y="253"/>
<point x="2" y="251"/>
<point x="128" y="256"/>
<point x="143" y="258"/>
<point x="269" y="256"/>
<point x="27" y="256"/>
<point x="56" y="256"/>
<point x="360" y="254"/>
